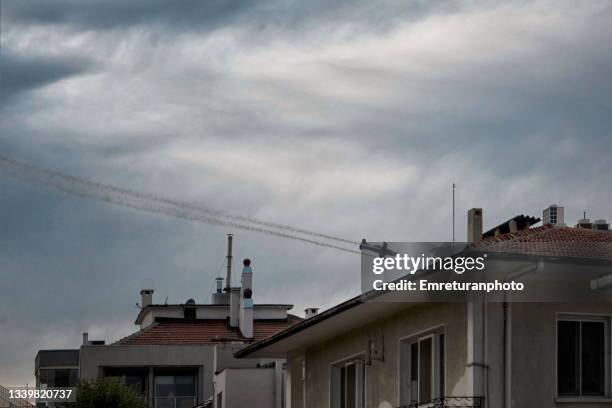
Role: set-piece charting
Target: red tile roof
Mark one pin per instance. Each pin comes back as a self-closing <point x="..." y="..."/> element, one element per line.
<point x="553" y="241"/>
<point x="185" y="332"/>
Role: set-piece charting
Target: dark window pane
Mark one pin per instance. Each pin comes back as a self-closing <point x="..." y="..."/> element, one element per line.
<point x="164" y="402"/>
<point x="593" y="355"/>
<point x="185" y="386"/>
<point x="425" y="362"/>
<point x="47" y="377"/>
<point x="185" y="402"/>
<point x="62" y="378"/>
<point x="441" y="365"/>
<point x="568" y="358"/>
<point x="414" y="371"/>
<point x="343" y="387"/>
<point x="164" y="386"/>
<point x="74" y="377"/>
<point x="135" y="382"/>
<point x="351" y="379"/>
<point x="363" y="385"/>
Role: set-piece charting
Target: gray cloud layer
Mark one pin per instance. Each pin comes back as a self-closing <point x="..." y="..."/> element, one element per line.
<point x="352" y="118"/>
<point x="22" y="73"/>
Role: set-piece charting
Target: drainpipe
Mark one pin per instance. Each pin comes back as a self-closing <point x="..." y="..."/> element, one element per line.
<point x="485" y="351"/>
<point x="507" y="352"/>
<point x="507" y="332"/>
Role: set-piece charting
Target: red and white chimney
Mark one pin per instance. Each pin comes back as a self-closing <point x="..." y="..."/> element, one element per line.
<point x="245" y="319"/>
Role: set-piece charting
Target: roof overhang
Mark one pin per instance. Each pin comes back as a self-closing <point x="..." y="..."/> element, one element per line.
<point x="363" y="309"/>
<point x="346" y="316"/>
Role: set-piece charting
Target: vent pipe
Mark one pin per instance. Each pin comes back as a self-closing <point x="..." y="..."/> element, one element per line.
<point x="228" y="278"/>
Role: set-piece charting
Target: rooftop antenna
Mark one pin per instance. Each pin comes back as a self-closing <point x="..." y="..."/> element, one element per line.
<point x="584" y="214"/>
<point x="228" y="278"/>
<point x="453" y="214"/>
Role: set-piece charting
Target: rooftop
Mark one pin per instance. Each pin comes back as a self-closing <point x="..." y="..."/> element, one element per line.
<point x="170" y="331"/>
<point x="206" y="306"/>
<point x="549" y="240"/>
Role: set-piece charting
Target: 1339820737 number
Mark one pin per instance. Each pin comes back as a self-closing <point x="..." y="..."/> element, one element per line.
<point x="43" y="394"/>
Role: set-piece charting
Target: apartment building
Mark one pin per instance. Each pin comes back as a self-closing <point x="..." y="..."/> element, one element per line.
<point x="474" y="353"/>
<point x="181" y="356"/>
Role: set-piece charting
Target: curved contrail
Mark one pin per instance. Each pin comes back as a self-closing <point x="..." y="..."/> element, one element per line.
<point x="159" y="205"/>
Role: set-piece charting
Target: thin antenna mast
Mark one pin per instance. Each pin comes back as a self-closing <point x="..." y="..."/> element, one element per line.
<point x="453" y="214"/>
<point x="228" y="278"/>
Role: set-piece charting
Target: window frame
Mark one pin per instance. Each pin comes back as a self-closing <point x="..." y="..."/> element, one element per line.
<point x="173" y="395"/>
<point x="358" y="360"/>
<point x="586" y="317"/>
<point x="438" y="378"/>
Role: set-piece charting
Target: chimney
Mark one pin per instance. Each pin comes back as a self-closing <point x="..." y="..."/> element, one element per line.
<point x="553" y="215"/>
<point x="85" y="339"/>
<point x="474" y="225"/>
<point x="245" y="319"/>
<point x="311" y="311"/>
<point x="146" y="298"/>
<point x="512" y="226"/>
<point x="189" y="310"/>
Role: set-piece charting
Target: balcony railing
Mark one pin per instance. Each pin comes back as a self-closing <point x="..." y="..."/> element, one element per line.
<point x="448" y="402"/>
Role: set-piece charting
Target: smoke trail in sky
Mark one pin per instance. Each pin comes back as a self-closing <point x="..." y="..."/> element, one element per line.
<point x="160" y="205"/>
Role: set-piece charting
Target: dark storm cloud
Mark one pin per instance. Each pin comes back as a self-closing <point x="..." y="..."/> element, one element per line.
<point x="348" y="117"/>
<point x="292" y="15"/>
<point x="20" y="73"/>
<point x="104" y="14"/>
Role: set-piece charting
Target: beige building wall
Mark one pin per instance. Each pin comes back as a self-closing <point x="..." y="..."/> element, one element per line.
<point x="534" y="353"/>
<point x="382" y="376"/>
<point x="529" y="341"/>
<point x="245" y="387"/>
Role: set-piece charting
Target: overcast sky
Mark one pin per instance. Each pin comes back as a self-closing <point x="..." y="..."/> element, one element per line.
<point x="346" y="117"/>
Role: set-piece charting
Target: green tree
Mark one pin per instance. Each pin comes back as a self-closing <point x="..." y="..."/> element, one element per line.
<point x="106" y="393"/>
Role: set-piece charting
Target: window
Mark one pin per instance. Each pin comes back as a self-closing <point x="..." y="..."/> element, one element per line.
<point x="58" y="377"/>
<point x="422" y="368"/>
<point x="582" y="356"/>
<point x="348" y="385"/>
<point x="220" y="400"/>
<point x="177" y="391"/>
<point x="133" y="377"/>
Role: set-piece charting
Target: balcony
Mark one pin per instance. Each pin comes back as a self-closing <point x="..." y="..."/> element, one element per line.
<point x="448" y="402"/>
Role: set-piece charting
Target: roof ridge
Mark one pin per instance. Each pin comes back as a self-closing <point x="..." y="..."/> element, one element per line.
<point x="513" y="236"/>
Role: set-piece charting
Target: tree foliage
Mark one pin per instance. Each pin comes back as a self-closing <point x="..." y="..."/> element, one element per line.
<point x="106" y="393"/>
